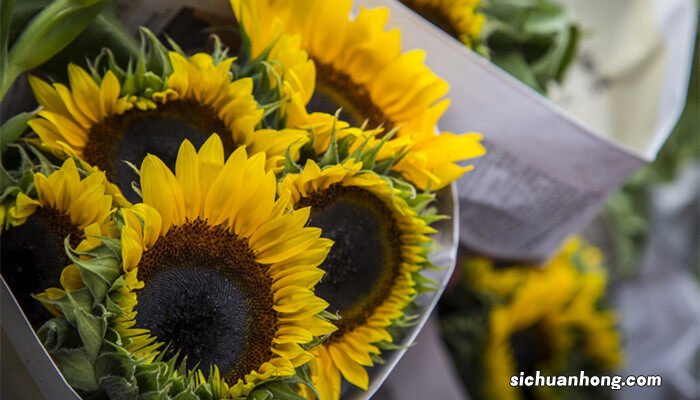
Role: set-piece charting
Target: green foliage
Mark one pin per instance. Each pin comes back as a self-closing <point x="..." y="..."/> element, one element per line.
<point x="144" y="75"/>
<point x="106" y="31"/>
<point x="13" y="128"/>
<point x="267" y="83"/>
<point x="50" y="31"/>
<point x="19" y="177"/>
<point x="533" y="40"/>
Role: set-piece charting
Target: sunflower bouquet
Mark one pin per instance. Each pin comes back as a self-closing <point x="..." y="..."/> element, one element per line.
<point x="504" y="321"/>
<point x="198" y="225"/>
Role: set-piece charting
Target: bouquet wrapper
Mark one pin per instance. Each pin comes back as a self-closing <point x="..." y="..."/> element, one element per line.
<point x="53" y="385"/>
<point x="551" y="164"/>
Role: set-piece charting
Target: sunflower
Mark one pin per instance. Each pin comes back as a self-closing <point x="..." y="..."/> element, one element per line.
<point x="542" y="317"/>
<point x="218" y="269"/>
<point x="370" y="271"/>
<point x="64" y="204"/>
<point x="359" y="67"/>
<point x="459" y="18"/>
<point x="109" y="118"/>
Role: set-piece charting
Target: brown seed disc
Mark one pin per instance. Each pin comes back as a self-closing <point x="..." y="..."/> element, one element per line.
<point x="136" y="133"/>
<point x="206" y="296"/>
<point x="365" y="259"/>
<point x="336" y="89"/>
<point x="33" y="257"/>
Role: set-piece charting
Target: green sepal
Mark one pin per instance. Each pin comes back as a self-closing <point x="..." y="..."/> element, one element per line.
<point x="425" y="284"/>
<point x="290" y="166"/>
<point x="267" y="83"/>
<point x="144" y="75"/>
<point x="338" y="151"/>
<point x="118" y="388"/>
<point x="407" y="320"/>
<point x="332" y="155"/>
<point x="21" y="179"/>
<point x="77" y="367"/>
<point x="369" y="157"/>
<point x="96" y="273"/>
<point x="91" y="329"/>
<point x="149" y="378"/>
<point x="283" y="388"/>
<point x="114" y="364"/>
<point x="376" y="359"/>
<point x="187" y="394"/>
<point x="384" y="345"/>
<point x="204" y="392"/>
<point x="81" y="298"/>
<point x="276" y="390"/>
<point x="329" y="316"/>
<point x="54" y="334"/>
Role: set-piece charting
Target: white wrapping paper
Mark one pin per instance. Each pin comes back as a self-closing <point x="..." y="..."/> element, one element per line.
<point x="548" y="170"/>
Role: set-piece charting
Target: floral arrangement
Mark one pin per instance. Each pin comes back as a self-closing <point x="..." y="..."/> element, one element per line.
<point x="504" y="319"/>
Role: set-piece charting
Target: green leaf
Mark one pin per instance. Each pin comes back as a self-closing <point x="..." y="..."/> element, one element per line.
<point x="514" y="63"/>
<point x="47" y="34"/>
<point x="6" y="8"/>
<point x="11" y="130"/>
<point x="105" y="31"/>
<point x="533" y="40"/>
<point x="23" y="12"/>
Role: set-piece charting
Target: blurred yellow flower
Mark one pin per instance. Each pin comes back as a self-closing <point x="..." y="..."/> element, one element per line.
<point x="543" y="314"/>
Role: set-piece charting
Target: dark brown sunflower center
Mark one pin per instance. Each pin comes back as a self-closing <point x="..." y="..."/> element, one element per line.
<point x="531" y="348"/>
<point x="366" y="256"/>
<point x="336" y="89"/>
<point x="33" y="257"/>
<point x="435" y="14"/>
<point x="206" y="296"/>
<point x="132" y="135"/>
